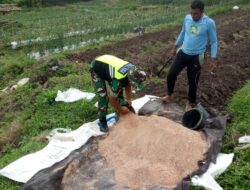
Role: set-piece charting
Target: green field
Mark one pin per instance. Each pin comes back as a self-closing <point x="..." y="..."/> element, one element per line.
<point x="57" y="28"/>
<point x="31" y="111"/>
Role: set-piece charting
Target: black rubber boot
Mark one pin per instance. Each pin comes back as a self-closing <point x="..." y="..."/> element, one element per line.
<point x="103" y="125"/>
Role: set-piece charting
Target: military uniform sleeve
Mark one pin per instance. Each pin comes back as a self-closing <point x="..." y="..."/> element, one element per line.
<point x="116" y="87"/>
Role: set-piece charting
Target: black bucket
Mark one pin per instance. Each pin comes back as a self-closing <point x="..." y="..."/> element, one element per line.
<point x="193" y="119"/>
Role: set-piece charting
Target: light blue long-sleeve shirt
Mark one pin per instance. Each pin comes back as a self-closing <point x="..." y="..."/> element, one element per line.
<point x="195" y="35"/>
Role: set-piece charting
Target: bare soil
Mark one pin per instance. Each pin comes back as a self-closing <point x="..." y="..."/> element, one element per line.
<point x="215" y="89"/>
<point x="6" y="8"/>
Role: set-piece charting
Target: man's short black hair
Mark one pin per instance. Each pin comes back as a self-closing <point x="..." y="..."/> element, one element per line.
<point x="198" y="4"/>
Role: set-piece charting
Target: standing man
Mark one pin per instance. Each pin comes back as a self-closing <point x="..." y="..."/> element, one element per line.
<point x="120" y="75"/>
<point x="196" y="31"/>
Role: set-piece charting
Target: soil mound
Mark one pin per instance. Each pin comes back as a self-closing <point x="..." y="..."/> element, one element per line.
<point x="152" y="150"/>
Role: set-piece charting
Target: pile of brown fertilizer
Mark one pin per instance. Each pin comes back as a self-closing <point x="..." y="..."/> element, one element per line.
<point x="152" y="150"/>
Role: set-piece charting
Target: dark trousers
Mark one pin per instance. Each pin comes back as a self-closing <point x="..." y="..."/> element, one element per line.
<point x="192" y="62"/>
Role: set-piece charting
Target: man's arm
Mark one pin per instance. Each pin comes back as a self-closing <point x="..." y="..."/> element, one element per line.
<point x="128" y="93"/>
<point x="180" y="39"/>
<point x="116" y="88"/>
<point x="212" y="34"/>
<point x="120" y="109"/>
<point x="181" y="36"/>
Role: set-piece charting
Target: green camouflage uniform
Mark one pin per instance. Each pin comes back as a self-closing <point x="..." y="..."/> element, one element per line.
<point x="102" y="95"/>
<point x="118" y="74"/>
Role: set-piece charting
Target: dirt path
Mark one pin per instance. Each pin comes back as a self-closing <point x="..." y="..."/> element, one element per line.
<point x="214" y="90"/>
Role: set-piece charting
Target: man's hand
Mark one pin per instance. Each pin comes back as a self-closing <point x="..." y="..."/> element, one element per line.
<point x="129" y="102"/>
<point x="123" y="110"/>
<point x="174" y="51"/>
<point x="212" y="65"/>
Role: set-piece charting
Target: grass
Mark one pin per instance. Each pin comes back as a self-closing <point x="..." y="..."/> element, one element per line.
<point x="32" y="108"/>
<point x="12" y="66"/>
<point x="237" y="175"/>
<point x="40" y="116"/>
<point x="91" y="17"/>
<point x="240" y="108"/>
<point x="63" y="26"/>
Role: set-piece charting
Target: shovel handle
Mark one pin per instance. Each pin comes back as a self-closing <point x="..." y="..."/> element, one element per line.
<point x="167" y="62"/>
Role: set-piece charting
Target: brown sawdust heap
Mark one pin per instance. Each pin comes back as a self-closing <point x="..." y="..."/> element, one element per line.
<point x="152" y="150"/>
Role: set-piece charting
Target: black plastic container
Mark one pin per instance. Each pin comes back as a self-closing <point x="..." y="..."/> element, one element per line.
<point x="194" y="119"/>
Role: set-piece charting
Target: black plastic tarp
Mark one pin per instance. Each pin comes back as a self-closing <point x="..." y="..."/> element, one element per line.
<point x="86" y="168"/>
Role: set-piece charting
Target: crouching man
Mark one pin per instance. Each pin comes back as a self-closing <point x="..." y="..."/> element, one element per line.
<point x="120" y="75"/>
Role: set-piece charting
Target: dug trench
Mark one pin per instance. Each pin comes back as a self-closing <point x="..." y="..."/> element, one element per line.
<point x="214" y="90"/>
